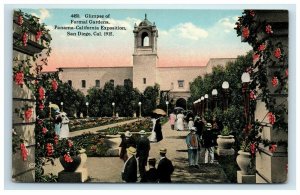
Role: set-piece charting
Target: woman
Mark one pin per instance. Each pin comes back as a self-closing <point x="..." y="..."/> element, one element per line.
<point x="157" y="130"/>
<point x="153" y="134"/>
<point x="64" y="130"/>
<point x="127" y="141"/>
<point x="180" y="125"/>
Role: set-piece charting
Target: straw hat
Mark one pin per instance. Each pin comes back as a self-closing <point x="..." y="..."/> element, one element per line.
<point x="163" y="150"/>
<point x="193" y="129"/>
<point x="142" y="132"/>
<point x="131" y="150"/>
<point x="128" y="134"/>
<point x="208" y="125"/>
<point x="151" y="159"/>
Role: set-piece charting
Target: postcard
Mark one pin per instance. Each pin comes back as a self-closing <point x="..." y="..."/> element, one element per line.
<point x="150" y="96"/>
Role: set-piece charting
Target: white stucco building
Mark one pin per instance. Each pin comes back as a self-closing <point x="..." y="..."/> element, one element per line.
<point x="145" y="70"/>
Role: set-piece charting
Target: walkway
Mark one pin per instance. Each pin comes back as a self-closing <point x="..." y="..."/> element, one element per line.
<point x="108" y="169"/>
<point x="96" y="129"/>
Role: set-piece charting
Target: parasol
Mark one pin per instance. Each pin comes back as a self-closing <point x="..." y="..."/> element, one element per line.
<point x="159" y="111"/>
<point x="54" y="106"/>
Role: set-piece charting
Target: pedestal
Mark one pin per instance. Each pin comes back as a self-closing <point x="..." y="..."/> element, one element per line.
<point x="69" y="177"/>
<point x="225" y="152"/>
<point x="245" y="178"/>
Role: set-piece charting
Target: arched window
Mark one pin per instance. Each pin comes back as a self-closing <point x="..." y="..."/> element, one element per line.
<point x="145" y="39"/>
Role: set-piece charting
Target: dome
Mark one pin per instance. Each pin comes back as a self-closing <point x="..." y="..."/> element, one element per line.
<point x="145" y="22"/>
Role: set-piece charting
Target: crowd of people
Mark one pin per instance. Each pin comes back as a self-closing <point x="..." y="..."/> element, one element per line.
<point x="135" y="155"/>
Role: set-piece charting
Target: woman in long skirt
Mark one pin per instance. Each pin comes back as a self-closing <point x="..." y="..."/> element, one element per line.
<point x="157" y="130"/>
<point x="64" y="130"/>
<point x="180" y="124"/>
<point x="153" y="133"/>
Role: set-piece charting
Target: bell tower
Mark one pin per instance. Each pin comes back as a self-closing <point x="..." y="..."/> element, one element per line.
<point x="145" y="54"/>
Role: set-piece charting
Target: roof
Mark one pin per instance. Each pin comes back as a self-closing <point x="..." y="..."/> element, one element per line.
<point x="91" y="67"/>
<point x="145" y="22"/>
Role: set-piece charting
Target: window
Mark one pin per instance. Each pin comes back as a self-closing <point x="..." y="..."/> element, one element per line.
<point x="83" y="83"/>
<point x="112" y="82"/>
<point x="144" y="80"/>
<point x="145" y="39"/>
<point x="97" y="83"/>
<point x="180" y="83"/>
<point x="70" y="83"/>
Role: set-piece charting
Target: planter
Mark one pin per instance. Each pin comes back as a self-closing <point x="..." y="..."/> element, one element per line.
<point x="225" y="142"/>
<point x="70" y="166"/>
<point x="244" y="162"/>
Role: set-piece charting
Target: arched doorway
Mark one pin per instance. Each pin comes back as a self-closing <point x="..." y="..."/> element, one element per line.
<point x="181" y="102"/>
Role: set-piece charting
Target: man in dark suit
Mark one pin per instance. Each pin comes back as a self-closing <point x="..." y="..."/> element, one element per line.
<point x="165" y="167"/>
<point x="129" y="173"/>
<point x="142" y="147"/>
<point x="151" y="175"/>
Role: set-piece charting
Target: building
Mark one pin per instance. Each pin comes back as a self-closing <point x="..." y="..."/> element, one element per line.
<point x="145" y="70"/>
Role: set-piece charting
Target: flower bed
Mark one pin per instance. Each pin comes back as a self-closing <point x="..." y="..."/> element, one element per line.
<point x="96" y="145"/>
<point x="132" y="127"/>
<point x="79" y="124"/>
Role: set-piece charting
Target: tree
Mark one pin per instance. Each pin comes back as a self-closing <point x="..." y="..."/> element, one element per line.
<point x="149" y="99"/>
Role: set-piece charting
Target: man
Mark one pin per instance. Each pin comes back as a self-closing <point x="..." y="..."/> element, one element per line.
<point x="199" y="126"/>
<point x="143" y="148"/>
<point x="193" y="145"/>
<point x="165" y="167"/>
<point x="208" y="143"/>
<point x="129" y="173"/>
<point x="152" y="174"/>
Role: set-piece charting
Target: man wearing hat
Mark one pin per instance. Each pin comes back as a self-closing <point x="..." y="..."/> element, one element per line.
<point x="129" y="173"/>
<point x="143" y="148"/>
<point x="208" y="144"/>
<point x="193" y="145"/>
<point x="152" y="174"/>
<point x="165" y="167"/>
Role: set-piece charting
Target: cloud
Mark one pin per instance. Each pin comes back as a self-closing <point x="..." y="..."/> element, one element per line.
<point x="44" y="13"/>
<point x="227" y="24"/>
<point x="187" y="31"/>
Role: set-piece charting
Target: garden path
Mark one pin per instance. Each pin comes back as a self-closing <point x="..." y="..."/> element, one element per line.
<point x="174" y="141"/>
<point x="108" y="169"/>
<point x="95" y="129"/>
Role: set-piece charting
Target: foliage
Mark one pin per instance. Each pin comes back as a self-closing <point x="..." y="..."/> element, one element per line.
<point x="226" y="131"/>
<point x="94" y="144"/>
<point x="149" y="99"/>
<point x="233" y="118"/>
<point x="79" y="124"/>
<point x="73" y="100"/>
<point x="125" y="97"/>
<point x="270" y="62"/>
<point x="132" y="127"/>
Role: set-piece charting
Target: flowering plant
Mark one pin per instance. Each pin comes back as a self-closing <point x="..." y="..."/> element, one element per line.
<point x="67" y="148"/>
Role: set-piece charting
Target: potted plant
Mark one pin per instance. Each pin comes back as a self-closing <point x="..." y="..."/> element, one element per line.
<point x="247" y="152"/>
<point x="70" y="157"/>
<point x="225" y="140"/>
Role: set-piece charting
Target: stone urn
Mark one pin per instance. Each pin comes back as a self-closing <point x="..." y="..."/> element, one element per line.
<point x="70" y="166"/>
<point x="244" y="162"/>
<point x="225" y="141"/>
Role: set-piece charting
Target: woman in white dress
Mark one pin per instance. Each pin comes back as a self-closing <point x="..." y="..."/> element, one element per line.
<point x="179" y="122"/>
<point x="153" y="134"/>
<point x="64" y="130"/>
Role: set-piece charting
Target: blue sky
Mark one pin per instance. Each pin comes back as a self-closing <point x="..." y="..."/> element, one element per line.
<point x="186" y="37"/>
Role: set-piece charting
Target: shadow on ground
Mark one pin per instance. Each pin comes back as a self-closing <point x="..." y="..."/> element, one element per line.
<point x="206" y="173"/>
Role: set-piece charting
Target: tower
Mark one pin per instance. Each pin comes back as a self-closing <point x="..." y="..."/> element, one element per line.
<point x="145" y="54"/>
